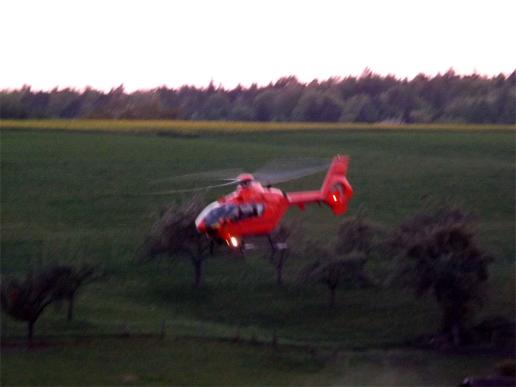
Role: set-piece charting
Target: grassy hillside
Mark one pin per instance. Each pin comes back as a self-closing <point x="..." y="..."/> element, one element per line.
<point x="75" y="196"/>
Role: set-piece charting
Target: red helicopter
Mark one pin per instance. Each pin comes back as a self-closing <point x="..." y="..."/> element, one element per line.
<point x="255" y="210"/>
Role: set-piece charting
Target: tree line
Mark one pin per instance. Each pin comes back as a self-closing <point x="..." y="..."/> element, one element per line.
<point x="369" y="97"/>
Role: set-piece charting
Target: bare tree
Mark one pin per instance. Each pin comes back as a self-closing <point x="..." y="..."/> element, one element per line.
<point x="332" y="271"/>
<point x="344" y="262"/>
<point x="357" y="234"/>
<point x="437" y="252"/>
<point x="69" y="280"/>
<point x="287" y="232"/>
<point x="27" y="299"/>
<point x="174" y="234"/>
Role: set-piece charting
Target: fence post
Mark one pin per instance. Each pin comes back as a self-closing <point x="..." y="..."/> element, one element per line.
<point x="236" y="338"/>
<point x="162" y="333"/>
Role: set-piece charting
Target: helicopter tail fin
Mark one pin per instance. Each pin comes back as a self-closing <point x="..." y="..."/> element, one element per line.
<point x="336" y="190"/>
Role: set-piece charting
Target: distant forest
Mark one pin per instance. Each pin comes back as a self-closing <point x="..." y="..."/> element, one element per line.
<point x="369" y="97"/>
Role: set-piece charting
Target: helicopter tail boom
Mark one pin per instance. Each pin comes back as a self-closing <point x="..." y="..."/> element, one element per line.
<point x="335" y="190"/>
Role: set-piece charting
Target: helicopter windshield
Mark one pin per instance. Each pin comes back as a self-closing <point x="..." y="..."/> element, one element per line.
<point x="217" y="212"/>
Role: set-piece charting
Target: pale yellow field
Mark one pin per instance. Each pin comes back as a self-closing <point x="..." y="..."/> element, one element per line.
<point x="179" y="126"/>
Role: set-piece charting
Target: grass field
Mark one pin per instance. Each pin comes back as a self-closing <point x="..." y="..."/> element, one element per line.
<point x="196" y="127"/>
<point x="70" y="195"/>
<point x="193" y="362"/>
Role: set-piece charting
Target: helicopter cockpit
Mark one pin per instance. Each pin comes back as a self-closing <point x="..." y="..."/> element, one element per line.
<point x="217" y="213"/>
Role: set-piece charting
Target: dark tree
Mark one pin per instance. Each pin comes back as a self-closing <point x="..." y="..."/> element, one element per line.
<point x="346" y="262"/>
<point x="11" y="105"/>
<point x="174" y="235"/>
<point x="356" y="234"/>
<point x="68" y="282"/>
<point x="289" y="232"/>
<point x="289" y="92"/>
<point x="437" y="252"/>
<point x="308" y="107"/>
<point x="217" y="106"/>
<point x="26" y="300"/>
<point x="332" y="271"/>
<point x="263" y="105"/>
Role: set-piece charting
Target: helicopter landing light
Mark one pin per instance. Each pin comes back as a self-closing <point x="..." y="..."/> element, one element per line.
<point x="233" y="242"/>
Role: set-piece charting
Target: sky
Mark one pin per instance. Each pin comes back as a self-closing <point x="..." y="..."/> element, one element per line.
<point x="147" y="44"/>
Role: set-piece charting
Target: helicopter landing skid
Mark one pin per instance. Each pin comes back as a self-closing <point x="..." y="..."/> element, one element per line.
<point x="274" y="246"/>
<point x="248" y="246"/>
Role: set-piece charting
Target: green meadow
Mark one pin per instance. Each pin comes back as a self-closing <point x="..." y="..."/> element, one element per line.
<point x="78" y="191"/>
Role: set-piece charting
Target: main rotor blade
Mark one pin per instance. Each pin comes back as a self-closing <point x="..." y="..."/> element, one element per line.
<point x="273" y="172"/>
<point x="281" y="171"/>
<point x="198" y="189"/>
<point x="220" y="174"/>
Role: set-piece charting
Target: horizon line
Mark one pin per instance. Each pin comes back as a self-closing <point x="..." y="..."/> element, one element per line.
<point x="245" y="85"/>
